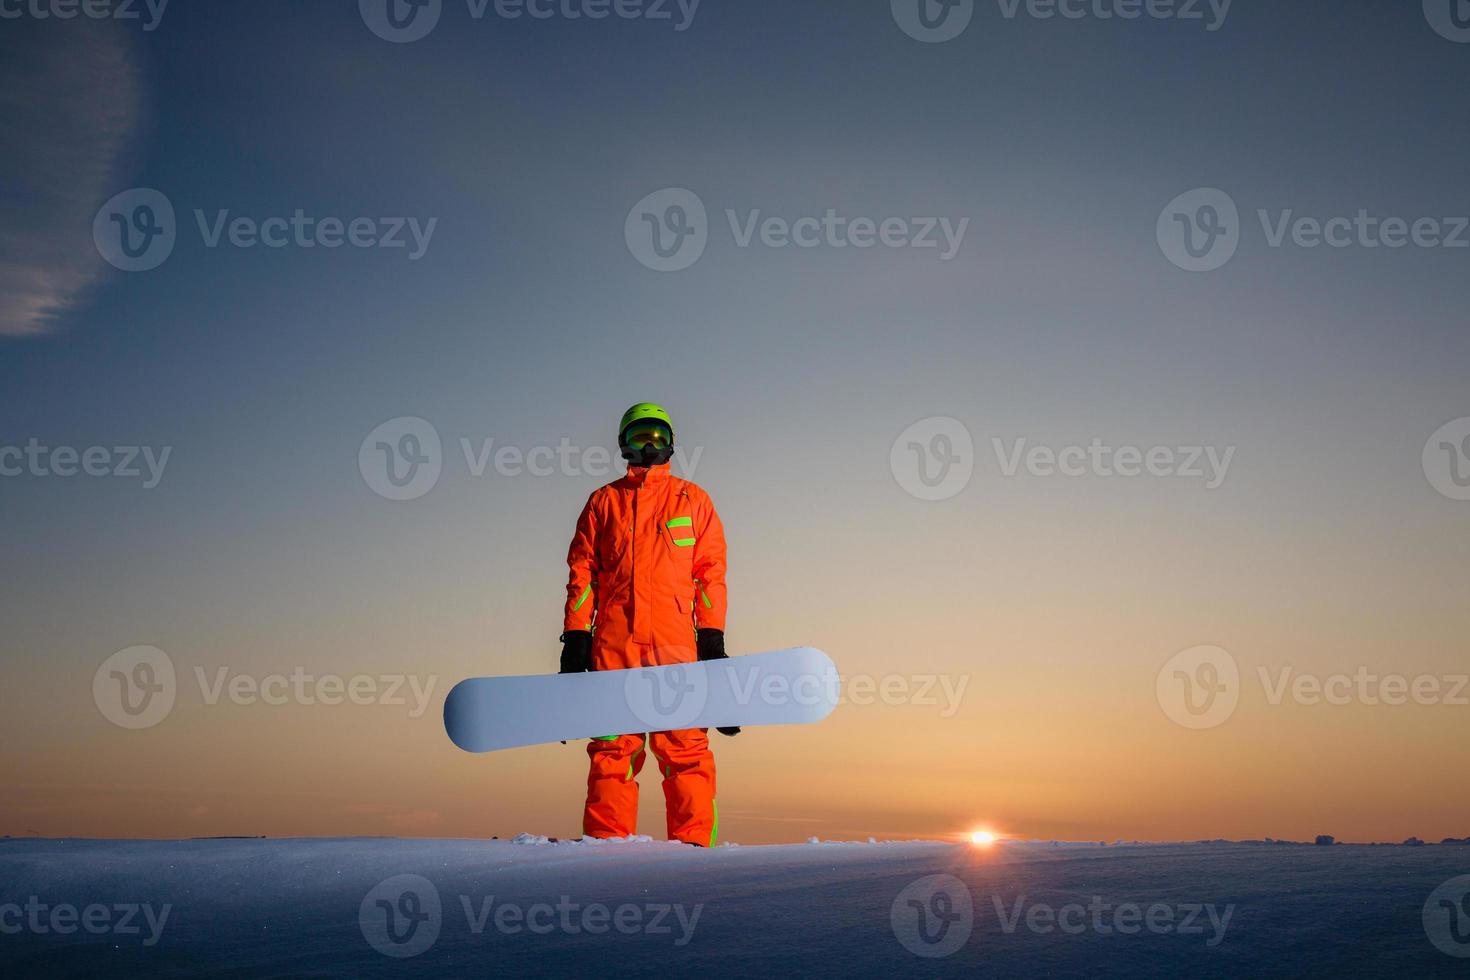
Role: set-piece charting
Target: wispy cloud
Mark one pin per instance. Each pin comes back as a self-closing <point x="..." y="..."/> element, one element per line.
<point x="70" y="96"/>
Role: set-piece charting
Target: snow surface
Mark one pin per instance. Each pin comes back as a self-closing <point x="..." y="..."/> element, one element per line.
<point x="302" y="908"/>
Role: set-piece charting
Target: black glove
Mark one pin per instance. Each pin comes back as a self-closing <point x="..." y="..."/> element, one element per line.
<point x="710" y="645"/>
<point x="576" y="651"/>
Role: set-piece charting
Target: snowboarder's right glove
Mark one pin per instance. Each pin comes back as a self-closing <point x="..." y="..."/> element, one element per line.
<point x="710" y="644"/>
<point x="576" y="651"/>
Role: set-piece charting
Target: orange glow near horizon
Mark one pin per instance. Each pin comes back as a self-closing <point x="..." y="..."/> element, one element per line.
<point x="1037" y="717"/>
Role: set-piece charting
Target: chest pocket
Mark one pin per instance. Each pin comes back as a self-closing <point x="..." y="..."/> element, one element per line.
<point x="678" y="535"/>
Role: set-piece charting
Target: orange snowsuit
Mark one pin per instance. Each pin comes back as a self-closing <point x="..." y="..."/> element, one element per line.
<point x="647" y="569"/>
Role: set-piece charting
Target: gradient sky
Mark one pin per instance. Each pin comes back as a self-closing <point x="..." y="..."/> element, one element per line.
<point x="1055" y="600"/>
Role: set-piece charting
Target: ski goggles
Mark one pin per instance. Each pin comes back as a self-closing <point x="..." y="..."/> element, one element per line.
<point x="649" y="433"/>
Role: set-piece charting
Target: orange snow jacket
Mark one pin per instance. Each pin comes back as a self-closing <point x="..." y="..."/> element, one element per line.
<point x="647" y="569"/>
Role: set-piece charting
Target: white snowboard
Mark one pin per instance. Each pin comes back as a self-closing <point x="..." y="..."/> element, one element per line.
<point x="786" y="687"/>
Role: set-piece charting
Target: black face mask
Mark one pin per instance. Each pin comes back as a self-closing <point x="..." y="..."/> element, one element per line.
<point x="647" y="455"/>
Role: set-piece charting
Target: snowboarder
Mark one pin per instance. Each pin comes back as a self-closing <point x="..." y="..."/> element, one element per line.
<point x="647" y="588"/>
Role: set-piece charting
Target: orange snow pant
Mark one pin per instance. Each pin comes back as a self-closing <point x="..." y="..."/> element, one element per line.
<point x="687" y="765"/>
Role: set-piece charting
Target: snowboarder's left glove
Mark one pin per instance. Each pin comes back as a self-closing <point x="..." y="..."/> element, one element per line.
<point x="710" y="644"/>
<point x="732" y="730"/>
<point x="576" y="651"/>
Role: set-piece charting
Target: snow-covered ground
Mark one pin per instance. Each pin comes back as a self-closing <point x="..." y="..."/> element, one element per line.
<point x="387" y="907"/>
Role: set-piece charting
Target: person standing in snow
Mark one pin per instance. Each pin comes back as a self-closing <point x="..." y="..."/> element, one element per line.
<point x="647" y="588"/>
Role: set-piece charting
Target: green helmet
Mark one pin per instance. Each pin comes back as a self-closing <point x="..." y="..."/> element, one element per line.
<point x="644" y="410"/>
<point x="646" y="419"/>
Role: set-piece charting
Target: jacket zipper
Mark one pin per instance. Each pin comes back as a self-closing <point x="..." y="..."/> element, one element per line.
<point x="633" y="559"/>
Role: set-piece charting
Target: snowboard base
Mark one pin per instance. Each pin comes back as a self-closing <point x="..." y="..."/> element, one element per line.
<point x="784" y="687"/>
